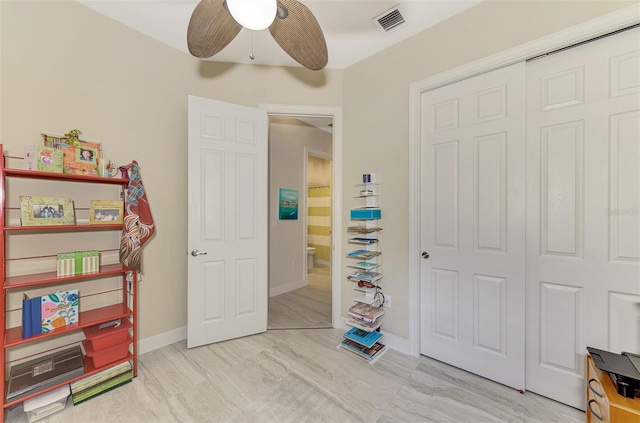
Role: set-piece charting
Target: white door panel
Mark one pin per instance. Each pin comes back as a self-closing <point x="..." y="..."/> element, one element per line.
<point x="227" y="214"/>
<point x="583" y="202"/>
<point x="472" y="286"/>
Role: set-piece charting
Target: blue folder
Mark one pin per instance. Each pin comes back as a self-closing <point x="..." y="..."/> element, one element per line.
<point x="31" y="317"/>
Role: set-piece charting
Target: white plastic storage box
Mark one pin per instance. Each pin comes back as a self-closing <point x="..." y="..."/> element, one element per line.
<point x="46" y="404"/>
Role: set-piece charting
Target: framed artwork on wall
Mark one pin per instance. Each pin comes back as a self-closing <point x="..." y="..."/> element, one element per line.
<point x="288" y="204"/>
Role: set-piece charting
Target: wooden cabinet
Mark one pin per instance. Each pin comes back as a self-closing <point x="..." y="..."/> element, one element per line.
<point x="604" y="404"/>
<point x="122" y="305"/>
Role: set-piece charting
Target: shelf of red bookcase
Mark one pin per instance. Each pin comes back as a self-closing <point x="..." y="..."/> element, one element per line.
<point x="51" y="277"/>
<point x="13" y="336"/>
<point x="88" y="371"/>
<point x="33" y="174"/>
<point x="62" y="228"/>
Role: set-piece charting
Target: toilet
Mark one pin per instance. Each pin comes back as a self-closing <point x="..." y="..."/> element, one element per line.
<point x="311" y="251"/>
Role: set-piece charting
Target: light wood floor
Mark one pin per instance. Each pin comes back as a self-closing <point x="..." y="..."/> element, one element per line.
<point x="283" y="376"/>
<point x="308" y="307"/>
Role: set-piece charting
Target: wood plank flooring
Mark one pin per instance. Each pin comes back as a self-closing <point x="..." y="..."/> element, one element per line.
<point x="300" y="376"/>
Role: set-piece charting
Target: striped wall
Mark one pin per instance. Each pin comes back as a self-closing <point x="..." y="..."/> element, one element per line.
<point x="319" y="222"/>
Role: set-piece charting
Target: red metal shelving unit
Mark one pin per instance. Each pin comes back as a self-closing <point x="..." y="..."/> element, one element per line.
<point x="12" y="337"/>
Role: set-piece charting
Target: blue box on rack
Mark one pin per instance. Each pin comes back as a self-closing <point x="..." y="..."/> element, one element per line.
<point x="366" y="214"/>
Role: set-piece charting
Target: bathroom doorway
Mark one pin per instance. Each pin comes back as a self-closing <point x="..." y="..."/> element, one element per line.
<point x="300" y="249"/>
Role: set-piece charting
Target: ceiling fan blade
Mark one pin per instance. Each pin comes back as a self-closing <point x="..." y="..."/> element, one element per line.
<point x="211" y="28"/>
<point x="300" y="36"/>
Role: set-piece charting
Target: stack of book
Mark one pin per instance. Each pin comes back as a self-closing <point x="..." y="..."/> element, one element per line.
<point x="101" y="382"/>
<point x="363" y="344"/>
<point x="365" y="316"/>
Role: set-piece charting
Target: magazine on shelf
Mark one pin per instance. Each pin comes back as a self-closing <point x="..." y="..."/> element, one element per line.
<point x="359" y="357"/>
<point x="363" y="337"/>
<point x="361" y="324"/>
<point x="369" y="353"/>
<point x="364" y="276"/>
<point x="361" y="240"/>
<point x="362" y="229"/>
<point x="366" y="312"/>
<point x="364" y="265"/>
<point x="363" y="254"/>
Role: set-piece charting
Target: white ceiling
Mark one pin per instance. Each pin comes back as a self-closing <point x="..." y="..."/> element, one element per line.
<point x="347" y="25"/>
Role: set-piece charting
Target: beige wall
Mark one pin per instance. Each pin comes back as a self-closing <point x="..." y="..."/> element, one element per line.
<point x="65" y="66"/>
<point x="288" y="138"/>
<point x="376" y="112"/>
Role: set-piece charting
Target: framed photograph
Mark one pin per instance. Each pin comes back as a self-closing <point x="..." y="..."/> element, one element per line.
<point x="76" y="160"/>
<point x="39" y="211"/>
<point x="106" y="211"/>
<point x="288" y="204"/>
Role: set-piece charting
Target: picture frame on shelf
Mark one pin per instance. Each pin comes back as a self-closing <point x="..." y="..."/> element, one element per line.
<point x="106" y="212"/>
<point x="78" y="159"/>
<point x="44" y="211"/>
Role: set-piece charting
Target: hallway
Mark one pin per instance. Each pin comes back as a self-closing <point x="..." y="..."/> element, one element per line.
<point x="308" y="307"/>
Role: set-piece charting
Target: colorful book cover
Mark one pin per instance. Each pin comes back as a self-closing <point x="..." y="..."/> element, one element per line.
<point x="59" y="310"/>
<point x="363" y="337"/>
<point x="43" y="159"/>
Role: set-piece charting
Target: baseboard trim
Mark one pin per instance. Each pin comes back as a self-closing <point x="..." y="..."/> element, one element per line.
<point x="287" y="287"/>
<point x="158" y="341"/>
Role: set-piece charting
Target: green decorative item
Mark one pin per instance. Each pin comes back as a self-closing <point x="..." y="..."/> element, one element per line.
<point x="72" y="137"/>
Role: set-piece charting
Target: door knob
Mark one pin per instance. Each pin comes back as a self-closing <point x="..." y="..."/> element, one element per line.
<point x="425" y="255"/>
<point x="196" y="253"/>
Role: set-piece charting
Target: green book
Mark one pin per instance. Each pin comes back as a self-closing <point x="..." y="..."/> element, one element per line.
<point x="102" y="387"/>
<point x="103" y="376"/>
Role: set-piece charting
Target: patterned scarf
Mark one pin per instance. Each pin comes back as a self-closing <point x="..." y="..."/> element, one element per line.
<point x="138" y="222"/>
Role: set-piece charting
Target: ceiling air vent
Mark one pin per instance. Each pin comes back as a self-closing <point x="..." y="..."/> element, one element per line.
<point x="390" y="20"/>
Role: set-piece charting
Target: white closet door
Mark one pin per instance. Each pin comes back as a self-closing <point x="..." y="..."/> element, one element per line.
<point x="583" y="202"/>
<point x="472" y="224"/>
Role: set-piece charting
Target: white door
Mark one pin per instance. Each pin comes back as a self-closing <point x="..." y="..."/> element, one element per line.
<point x="583" y="201"/>
<point x="472" y="225"/>
<point x="227" y="214"/>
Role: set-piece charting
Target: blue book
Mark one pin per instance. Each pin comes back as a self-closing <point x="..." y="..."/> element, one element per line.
<point x="31" y="317"/>
<point x="363" y="337"/>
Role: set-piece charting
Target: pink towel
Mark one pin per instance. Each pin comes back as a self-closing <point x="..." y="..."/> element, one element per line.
<point x="138" y="222"/>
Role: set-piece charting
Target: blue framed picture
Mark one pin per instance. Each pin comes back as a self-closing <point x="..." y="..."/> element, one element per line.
<point x="288" y="204"/>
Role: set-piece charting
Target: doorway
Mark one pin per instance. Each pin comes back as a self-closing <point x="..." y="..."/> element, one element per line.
<point x="300" y="244"/>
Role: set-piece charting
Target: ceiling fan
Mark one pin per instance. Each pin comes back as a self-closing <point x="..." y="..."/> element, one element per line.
<point x="215" y="23"/>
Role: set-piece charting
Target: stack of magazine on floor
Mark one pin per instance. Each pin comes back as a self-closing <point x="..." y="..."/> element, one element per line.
<point x="363" y="345"/>
<point x="101" y="382"/>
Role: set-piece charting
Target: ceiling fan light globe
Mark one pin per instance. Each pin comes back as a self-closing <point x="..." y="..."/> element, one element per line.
<point x="253" y="14"/>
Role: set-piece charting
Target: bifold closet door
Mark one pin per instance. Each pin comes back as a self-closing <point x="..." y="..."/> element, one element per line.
<point x="472" y="224"/>
<point x="583" y="203"/>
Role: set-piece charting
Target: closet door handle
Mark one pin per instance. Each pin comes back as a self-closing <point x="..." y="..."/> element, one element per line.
<point x="597" y="416"/>
<point x="592" y="389"/>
